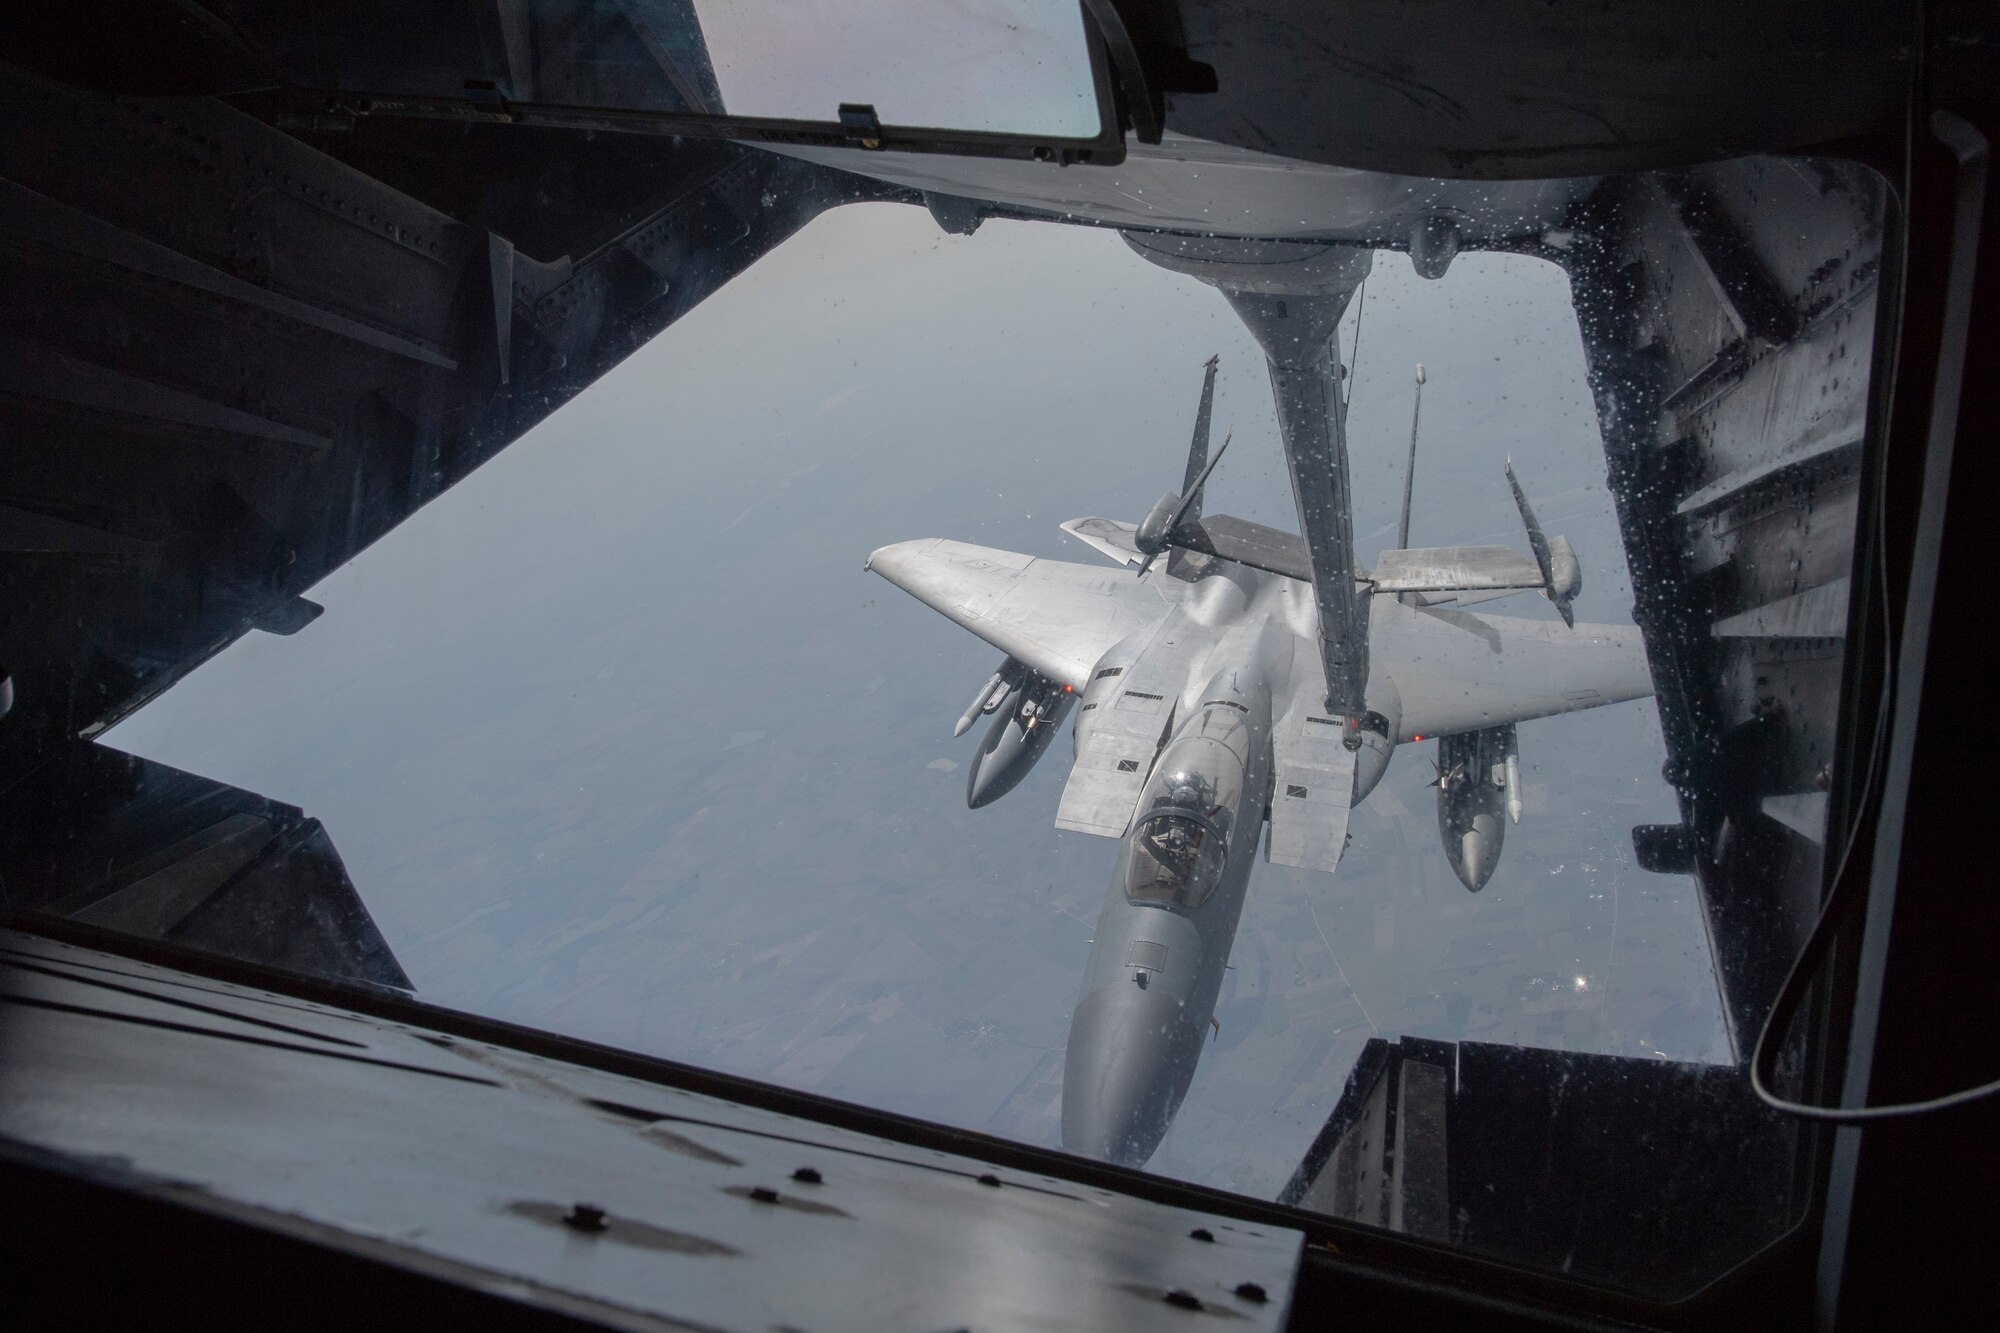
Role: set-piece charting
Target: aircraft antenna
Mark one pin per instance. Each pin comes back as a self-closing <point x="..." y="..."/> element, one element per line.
<point x="1410" y="472"/>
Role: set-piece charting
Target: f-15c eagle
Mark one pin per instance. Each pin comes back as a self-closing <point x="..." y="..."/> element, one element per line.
<point x="1200" y="718"/>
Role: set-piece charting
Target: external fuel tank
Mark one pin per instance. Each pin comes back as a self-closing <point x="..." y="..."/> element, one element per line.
<point x="1478" y="787"/>
<point x="1021" y="732"/>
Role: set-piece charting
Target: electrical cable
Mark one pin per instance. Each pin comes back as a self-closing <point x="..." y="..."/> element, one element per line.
<point x="1354" y="357"/>
<point x="1832" y="913"/>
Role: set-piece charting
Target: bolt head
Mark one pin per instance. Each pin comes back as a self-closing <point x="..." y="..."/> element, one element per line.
<point x="586" y="1217"/>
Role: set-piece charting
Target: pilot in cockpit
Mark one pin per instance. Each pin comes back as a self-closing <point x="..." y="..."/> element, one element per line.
<point x="1177" y="854"/>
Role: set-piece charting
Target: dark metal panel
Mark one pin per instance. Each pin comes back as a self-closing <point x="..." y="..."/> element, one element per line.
<point x="639" y="1205"/>
<point x="126" y="844"/>
<point x="1729" y="318"/>
<point x="28" y="215"/>
<point x="1642" y="1173"/>
<point x="1513" y="89"/>
<point x="241" y="359"/>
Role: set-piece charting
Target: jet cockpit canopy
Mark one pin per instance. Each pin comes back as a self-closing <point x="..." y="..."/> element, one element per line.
<point x="1175" y="855"/>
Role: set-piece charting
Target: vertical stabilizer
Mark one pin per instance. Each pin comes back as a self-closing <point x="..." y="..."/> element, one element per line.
<point x="1559" y="591"/>
<point x="1198" y="446"/>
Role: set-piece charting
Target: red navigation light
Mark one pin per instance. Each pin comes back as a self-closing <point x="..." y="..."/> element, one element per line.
<point x="1069" y="689"/>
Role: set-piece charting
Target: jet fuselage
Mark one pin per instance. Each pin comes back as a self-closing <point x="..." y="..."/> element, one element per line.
<point x="1169" y="919"/>
<point x="1200" y="718"/>
<point x="1171" y="910"/>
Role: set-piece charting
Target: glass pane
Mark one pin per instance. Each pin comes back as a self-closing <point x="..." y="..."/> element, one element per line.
<point x="642" y="730"/>
<point x="1003" y="66"/>
<point x="618" y="737"/>
<point x="1018" y="67"/>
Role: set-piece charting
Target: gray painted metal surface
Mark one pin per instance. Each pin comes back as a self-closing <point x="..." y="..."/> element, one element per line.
<point x="1207" y="188"/>
<point x="1312" y="787"/>
<point x="463" y="1158"/>
<point x="1457" y="568"/>
<point x="1214" y="648"/>
<point x="1456" y="670"/>
<point x="1816" y="613"/>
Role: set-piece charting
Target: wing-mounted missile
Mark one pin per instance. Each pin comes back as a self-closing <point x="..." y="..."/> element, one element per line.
<point x="1562" y="576"/>
<point x="995" y="693"/>
<point x="1018" y="737"/>
<point x="1478" y="786"/>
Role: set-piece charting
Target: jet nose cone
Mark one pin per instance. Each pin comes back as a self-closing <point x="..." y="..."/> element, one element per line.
<point x="979" y="789"/>
<point x="1131" y="1056"/>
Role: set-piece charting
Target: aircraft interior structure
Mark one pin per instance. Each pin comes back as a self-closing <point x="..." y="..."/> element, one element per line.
<point x="277" y="281"/>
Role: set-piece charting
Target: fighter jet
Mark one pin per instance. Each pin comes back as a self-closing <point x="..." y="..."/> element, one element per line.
<point x="1201" y="721"/>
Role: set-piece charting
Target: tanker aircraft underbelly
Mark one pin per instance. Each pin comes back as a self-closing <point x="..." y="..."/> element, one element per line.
<point x="1202" y="715"/>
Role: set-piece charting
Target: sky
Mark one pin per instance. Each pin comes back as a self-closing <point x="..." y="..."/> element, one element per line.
<point x="617" y="738"/>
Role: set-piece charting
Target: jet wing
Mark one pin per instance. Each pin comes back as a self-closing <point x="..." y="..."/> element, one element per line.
<point x="1056" y="617"/>
<point x="1459" y="671"/>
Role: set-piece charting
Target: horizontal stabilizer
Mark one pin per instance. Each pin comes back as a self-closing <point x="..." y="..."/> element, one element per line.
<point x="1270" y="549"/>
<point x="1108" y="537"/>
<point x="1461" y="596"/>
<point x="1455" y="569"/>
<point x="1237" y="539"/>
